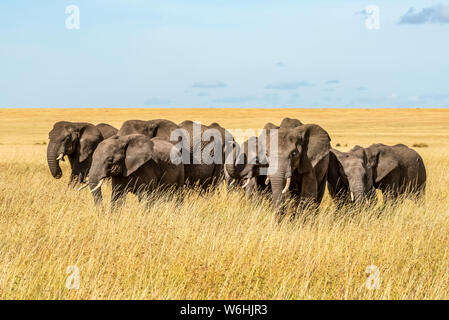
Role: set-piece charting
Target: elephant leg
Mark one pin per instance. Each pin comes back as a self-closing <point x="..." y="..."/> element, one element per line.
<point x="118" y="196"/>
<point x="392" y="187"/>
<point x="144" y="196"/>
<point x="321" y="190"/>
<point x="180" y="178"/>
<point x="73" y="180"/>
<point x="229" y="183"/>
<point x="390" y="196"/>
<point x="217" y="174"/>
<point x="309" y="192"/>
<point x="251" y="187"/>
<point x="420" y="198"/>
<point x="76" y="170"/>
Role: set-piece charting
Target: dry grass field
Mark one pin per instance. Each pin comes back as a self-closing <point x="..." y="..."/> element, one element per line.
<point x="220" y="245"/>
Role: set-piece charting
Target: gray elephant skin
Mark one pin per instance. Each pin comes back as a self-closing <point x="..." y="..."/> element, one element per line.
<point x="350" y="177"/>
<point x="202" y="174"/>
<point x="244" y="169"/>
<point x="161" y="128"/>
<point x="299" y="168"/>
<point x="77" y="141"/>
<point x="136" y="164"/>
<point x="397" y="170"/>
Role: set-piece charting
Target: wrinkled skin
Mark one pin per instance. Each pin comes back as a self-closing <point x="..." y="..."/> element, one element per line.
<point x="204" y="175"/>
<point x="397" y="170"/>
<point x="77" y="141"/>
<point x="302" y="157"/>
<point x="290" y="123"/>
<point x="350" y="176"/>
<point x="161" y="128"/>
<point x="136" y="164"/>
<point x="246" y="170"/>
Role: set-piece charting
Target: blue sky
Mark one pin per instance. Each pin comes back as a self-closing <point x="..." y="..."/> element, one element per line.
<point x="198" y="53"/>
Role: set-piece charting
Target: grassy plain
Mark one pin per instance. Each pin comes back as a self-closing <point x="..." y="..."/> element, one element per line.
<point x="220" y="245"/>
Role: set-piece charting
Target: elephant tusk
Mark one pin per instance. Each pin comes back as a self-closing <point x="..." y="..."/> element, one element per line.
<point x="352" y="196"/>
<point x="287" y="185"/>
<point x="232" y="182"/>
<point x="83" y="186"/>
<point x="267" y="180"/>
<point x="98" y="186"/>
<point x="246" y="183"/>
<point x="60" y="157"/>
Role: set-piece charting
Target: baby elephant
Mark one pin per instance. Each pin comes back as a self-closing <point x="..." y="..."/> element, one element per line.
<point x="244" y="168"/>
<point x="136" y="163"/>
<point x="350" y="176"/>
<point x="397" y="170"/>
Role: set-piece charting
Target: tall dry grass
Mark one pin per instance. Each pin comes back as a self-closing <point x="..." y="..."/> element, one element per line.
<point x="219" y="245"/>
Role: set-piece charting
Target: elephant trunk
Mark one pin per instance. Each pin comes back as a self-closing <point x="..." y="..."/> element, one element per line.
<point x="53" y="161"/>
<point x="95" y="189"/>
<point x="357" y="192"/>
<point x="280" y="183"/>
<point x="231" y="169"/>
<point x="231" y="163"/>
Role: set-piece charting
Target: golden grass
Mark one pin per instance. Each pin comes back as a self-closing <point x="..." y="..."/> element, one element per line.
<point x="219" y="245"/>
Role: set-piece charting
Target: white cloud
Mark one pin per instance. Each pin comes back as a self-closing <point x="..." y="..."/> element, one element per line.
<point x="288" y="85"/>
<point x="436" y="14"/>
<point x="209" y="84"/>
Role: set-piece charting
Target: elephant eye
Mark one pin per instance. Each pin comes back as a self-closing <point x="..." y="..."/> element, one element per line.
<point x="294" y="153"/>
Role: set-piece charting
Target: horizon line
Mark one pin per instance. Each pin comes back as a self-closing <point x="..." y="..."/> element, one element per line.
<point x="219" y="107"/>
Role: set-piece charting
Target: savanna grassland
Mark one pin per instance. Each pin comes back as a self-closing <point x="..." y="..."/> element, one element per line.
<point x="220" y="245"/>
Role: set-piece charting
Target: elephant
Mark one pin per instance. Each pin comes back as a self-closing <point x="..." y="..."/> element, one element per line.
<point x="195" y="170"/>
<point x="206" y="141"/>
<point x="350" y="177"/>
<point x="299" y="166"/>
<point x="77" y="141"/>
<point x="245" y="170"/>
<point x="397" y="170"/>
<point x="161" y="128"/>
<point x="137" y="164"/>
<point x="290" y="123"/>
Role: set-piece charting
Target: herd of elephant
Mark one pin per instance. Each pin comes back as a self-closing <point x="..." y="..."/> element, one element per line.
<point x="138" y="159"/>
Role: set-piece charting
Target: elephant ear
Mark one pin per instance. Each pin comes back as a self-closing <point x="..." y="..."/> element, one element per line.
<point x="89" y="139"/>
<point x="290" y="123"/>
<point x="363" y="154"/>
<point x="139" y="150"/>
<point x="152" y="129"/>
<point x="385" y="162"/>
<point x="315" y="143"/>
<point x="336" y="162"/>
<point x="334" y="173"/>
<point x="369" y="170"/>
<point x="270" y="126"/>
<point x="251" y="149"/>
<point x="265" y="138"/>
<point x="232" y="152"/>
